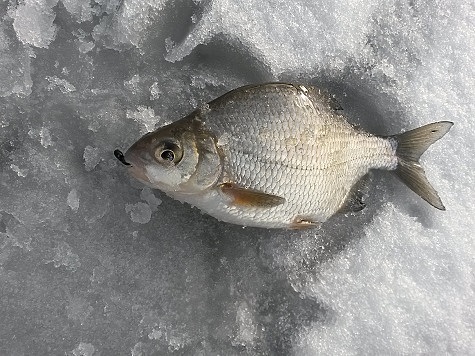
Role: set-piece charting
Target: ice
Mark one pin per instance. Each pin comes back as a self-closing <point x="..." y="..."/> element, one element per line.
<point x="92" y="262"/>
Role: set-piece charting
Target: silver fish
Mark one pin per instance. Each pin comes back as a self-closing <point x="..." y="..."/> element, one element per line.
<point x="275" y="155"/>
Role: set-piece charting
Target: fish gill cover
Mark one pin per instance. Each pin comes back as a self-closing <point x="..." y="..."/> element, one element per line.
<point x="92" y="263"/>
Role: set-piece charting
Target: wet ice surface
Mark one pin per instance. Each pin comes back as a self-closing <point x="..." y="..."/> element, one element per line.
<point x="93" y="263"/>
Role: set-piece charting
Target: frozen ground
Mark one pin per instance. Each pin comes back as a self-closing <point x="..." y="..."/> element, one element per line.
<point x="91" y="263"/>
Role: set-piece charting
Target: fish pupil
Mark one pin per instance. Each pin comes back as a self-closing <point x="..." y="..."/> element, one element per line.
<point x="167" y="155"/>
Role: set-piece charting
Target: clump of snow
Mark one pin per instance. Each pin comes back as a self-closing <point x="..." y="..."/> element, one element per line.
<point x="155" y="91"/>
<point x="63" y="85"/>
<point x="14" y="63"/>
<point x="133" y="84"/>
<point x="83" y="349"/>
<point x="33" y="22"/>
<point x="20" y="172"/>
<point x="73" y="200"/>
<point x="80" y="9"/>
<point x="45" y="137"/>
<point x="128" y="25"/>
<point x="144" y="116"/>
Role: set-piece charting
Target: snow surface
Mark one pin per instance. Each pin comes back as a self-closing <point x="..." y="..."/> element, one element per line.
<point x="93" y="263"/>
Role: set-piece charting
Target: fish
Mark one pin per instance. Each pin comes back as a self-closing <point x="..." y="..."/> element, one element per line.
<point x="276" y="155"/>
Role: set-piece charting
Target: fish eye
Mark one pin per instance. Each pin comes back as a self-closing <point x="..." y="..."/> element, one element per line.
<point x="167" y="155"/>
<point x="168" y="152"/>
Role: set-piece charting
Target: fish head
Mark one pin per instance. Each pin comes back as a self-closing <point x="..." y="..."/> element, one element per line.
<point x="178" y="158"/>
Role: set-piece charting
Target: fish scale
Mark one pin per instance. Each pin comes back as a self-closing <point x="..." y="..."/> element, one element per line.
<point x="275" y="155"/>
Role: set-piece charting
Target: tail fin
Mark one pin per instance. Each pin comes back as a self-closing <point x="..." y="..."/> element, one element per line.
<point x="410" y="146"/>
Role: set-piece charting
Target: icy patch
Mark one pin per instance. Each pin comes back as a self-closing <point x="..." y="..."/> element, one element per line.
<point x="91" y="157"/>
<point x="33" y="22"/>
<point x="73" y="200"/>
<point x="78" y="309"/>
<point x="65" y="257"/>
<point x="138" y="349"/>
<point x="147" y="195"/>
<point x="247" y="331"/>
<point x="100" y="274"/>
<point x="139" y="212"/>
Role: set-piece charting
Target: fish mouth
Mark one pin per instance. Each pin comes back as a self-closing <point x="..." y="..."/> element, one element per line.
<point x="135" y="165"/>
<point x="120" y="156"/>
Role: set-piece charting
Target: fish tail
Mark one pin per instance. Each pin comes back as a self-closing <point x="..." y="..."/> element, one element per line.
<point x="410" y="146"/>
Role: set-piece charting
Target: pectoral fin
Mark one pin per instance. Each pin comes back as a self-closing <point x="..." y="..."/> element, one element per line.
<point x="249" y="197"/>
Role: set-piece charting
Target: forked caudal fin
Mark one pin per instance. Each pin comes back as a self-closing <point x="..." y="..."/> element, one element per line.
<point x="410" y="146"/>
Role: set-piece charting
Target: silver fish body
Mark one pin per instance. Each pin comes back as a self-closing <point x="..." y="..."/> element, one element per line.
<point x="274" y="155"/>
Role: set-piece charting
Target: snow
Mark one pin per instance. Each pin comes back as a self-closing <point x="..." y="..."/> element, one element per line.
<point x="94" y="263"/>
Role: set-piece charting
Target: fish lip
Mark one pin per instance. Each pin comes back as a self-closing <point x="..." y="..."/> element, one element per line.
<point x="120" y="156"/>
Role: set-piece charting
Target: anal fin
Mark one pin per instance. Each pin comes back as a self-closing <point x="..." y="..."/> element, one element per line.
<point x="355" y="198"/>
<point x="303" y="222"/>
